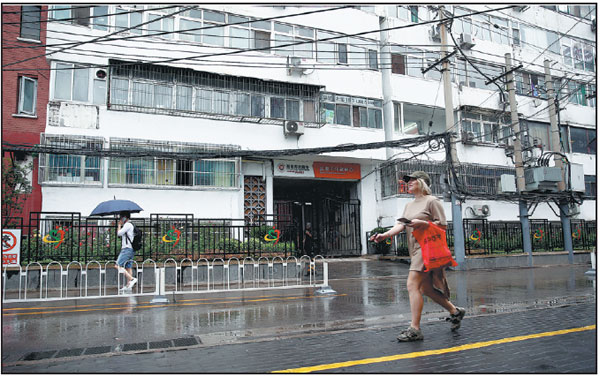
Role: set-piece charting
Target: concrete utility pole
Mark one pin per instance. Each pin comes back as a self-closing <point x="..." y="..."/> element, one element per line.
<point x="459" y="237"/>
<point x="554" y="127"/>
<point x="514" y="119"/>
<point x="386" y="84"/>
<point x="555" y="132"/>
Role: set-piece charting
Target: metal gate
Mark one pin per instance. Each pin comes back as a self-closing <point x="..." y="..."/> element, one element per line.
<point x="335" y="224"/>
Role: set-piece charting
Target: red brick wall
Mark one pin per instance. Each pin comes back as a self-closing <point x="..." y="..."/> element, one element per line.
<point x="19" y="129"/>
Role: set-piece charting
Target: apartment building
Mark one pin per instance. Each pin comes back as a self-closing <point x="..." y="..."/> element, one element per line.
<point x="156" y="84"/>
<point x="24" y="93"/>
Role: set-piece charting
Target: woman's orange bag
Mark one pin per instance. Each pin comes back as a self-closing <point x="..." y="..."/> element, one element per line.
<point x="433" y="247"/>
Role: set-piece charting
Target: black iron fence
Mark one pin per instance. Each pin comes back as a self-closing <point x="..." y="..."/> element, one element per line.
<point x="483" y="237"/>
<point x="66" y="236"/>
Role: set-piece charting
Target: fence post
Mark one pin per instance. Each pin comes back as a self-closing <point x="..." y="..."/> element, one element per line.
<point x="592" y="272"/>
<point x="325" y="288"/>
<point x="159" y="293"/>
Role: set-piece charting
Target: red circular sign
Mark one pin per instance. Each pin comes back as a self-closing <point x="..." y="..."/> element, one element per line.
<point x="9" y="241"/>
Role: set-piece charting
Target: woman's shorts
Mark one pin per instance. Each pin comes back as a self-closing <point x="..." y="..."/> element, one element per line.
<point x="125" y="258"/>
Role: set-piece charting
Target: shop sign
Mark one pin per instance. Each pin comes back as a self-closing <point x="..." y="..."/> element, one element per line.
<point x="293" y="169"/>
<point x="11" y="247"/>
<point x="336" y="170"/>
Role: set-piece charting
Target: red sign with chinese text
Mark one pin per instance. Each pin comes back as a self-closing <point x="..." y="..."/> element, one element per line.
<point x="336" y="170"/>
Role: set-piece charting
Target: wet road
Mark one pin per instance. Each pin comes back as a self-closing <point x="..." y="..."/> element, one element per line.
<point x="370" y="298"/>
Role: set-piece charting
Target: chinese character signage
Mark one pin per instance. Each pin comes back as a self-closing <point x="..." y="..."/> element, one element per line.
<point x="336" y="170"/>
<point x="293" y="169"/>
<point x="11" y="247"/>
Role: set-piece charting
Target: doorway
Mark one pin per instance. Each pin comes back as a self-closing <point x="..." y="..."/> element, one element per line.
<point x="332" y="208"/>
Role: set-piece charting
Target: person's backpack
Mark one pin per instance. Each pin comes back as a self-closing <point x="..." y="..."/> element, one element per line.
<point x="136" y="244"/>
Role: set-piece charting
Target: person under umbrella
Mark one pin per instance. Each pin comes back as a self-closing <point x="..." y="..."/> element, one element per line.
<point x="124" y="261"/>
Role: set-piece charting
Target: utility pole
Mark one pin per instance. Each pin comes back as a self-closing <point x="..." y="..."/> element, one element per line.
<point x="555" y="132"/>
<point x="459" y="237"/>
<point x="514" y="118"/>
<point x="386" y="85"/>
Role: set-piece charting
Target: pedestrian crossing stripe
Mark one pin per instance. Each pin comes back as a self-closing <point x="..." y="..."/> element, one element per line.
<point x="412" y="355"/>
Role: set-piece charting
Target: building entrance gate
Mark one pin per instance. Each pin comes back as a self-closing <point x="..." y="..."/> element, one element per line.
<point x="335" y="224"/>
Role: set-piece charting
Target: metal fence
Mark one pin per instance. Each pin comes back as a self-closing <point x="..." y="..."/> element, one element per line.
<point x="56" y="281"/>
<point x="483" y="237"/>
<point x="67" y="236"/>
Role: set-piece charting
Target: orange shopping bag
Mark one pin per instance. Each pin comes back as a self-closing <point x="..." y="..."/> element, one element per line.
<point x="433" y="247"/>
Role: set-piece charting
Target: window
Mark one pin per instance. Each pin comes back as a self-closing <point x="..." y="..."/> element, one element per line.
<point x="71" y="82"/>
<point x="539" y="131"/>
<point x="469" y="76"/>
<point x="127" y="20"/>
<point x="148" y="87"/>
<point x="399" y="64"/>
<point x="590" y="186"/>
<point x="277" y="108"/>
<point x="351" y="111"/>
<point x="239" y="35"/>
<point x="529" y="84"/>
<point x="583" y="140"/>
<point x="161" y="26"/>
<point x="100" y="20"/>
<point x="262" y="40"/>
<point x="170" y="171"/>
<point x="216" y="34"/>
<point x="30" y="22"/>
<point x="373" y="64"/>
<point x="326" y="51"/>
<point x="75" y="14"/>
<point x="487" y="128"/>
<point x="27" y="95"/>
<point x="414" y="13"/>
<point x="184" y="97"/>
<point x="71" y="168"/>
<point x="286" y="34"/>
<point x="342" y="50"/>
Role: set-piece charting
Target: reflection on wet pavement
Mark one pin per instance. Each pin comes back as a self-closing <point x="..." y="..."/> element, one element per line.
<point x="369" y="293"/>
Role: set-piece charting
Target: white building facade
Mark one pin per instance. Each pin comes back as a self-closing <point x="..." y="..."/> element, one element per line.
<point x="229" y="78"/>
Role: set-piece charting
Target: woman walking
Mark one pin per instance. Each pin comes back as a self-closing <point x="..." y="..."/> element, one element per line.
<point x="417" y="214"/>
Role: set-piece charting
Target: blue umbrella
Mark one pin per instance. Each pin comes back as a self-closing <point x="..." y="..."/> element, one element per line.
<point x="114" y="207"/>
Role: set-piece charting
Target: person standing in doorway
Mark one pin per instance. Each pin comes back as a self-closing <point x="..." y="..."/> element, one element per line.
<point x="308" y="240"/>
<point x="124" y="261"/>
<point x="417" y="215"/>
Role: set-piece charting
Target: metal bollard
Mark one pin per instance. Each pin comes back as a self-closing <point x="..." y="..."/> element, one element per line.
<point x="325" y="288"/>
<point x="159" y="293"/>
<point x="592" y="272"/>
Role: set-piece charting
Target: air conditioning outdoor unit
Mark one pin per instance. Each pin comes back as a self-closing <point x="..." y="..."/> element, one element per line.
<point x="435" y="33"/>
<point x="466" y="41"/>
<point x="292" y="127"/>
<point x="101" y="74"/>
<point x="481" y="210"/>
<point x="294" y="65"/>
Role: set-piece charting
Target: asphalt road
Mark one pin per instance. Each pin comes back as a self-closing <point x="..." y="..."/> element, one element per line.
<point x="530" y="320"/>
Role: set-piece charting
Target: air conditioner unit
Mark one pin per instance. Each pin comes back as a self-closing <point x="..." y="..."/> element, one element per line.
<point x="468" y="137"/>
<point x="294" y="65"/>
<point x="481" y="210"/>
<point x="466" y="41"/>
<point x="101" y="74"/>
<point x="435" y="33"/>
<point x="292" y="127"/>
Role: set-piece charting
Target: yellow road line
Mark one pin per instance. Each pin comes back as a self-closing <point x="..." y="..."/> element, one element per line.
<point x="152" y="306"/>
<point x="440" y="351"/>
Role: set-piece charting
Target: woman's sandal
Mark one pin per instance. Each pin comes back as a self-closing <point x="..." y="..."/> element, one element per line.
<point x="410" y="335"/>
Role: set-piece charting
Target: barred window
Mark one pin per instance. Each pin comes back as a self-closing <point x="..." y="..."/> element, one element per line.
<point x="162" y="171"/>
<point x="66" y="168"/>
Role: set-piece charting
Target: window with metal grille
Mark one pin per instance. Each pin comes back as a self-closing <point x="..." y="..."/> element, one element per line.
<point x="161" y="171"/>
<point x="71" y="168"/>
<point x="149" y="88"/>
